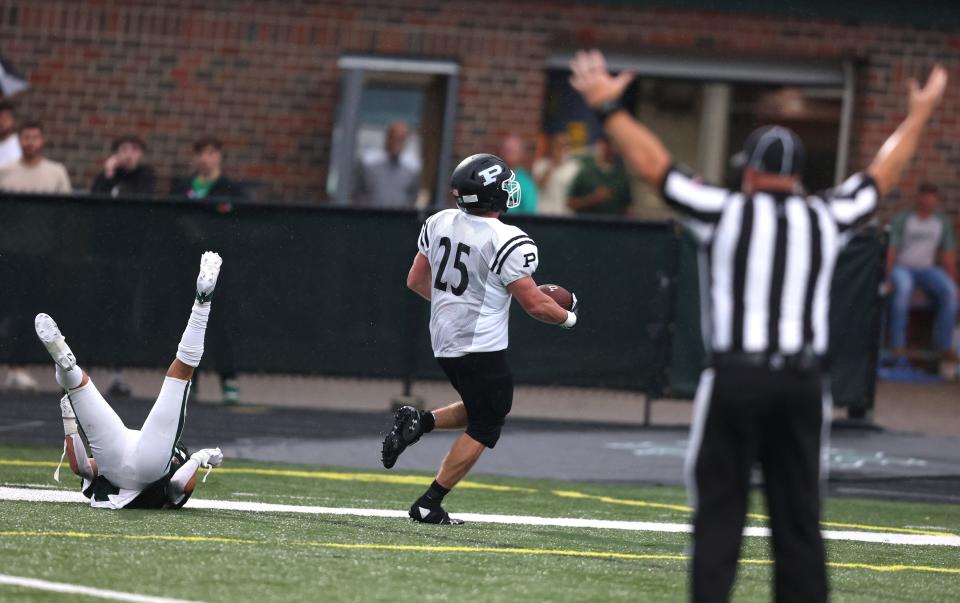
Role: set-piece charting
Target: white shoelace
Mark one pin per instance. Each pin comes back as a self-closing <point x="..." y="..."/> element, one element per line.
<point x="56" y="474"/>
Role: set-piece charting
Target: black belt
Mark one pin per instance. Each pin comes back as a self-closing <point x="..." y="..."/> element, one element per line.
<point x="802" y="362"/>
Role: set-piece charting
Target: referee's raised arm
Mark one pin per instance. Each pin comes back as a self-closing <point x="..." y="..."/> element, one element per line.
<point x="902" y="144"/>
<point x="641" y="149"/>
<point x="855" y="201"/>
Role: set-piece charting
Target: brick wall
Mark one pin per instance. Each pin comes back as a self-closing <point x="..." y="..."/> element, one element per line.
<point x="263" y="75"/>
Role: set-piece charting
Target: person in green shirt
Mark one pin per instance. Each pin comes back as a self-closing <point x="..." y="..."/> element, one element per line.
<point x="602" y="185"/>
<point x="208" y="185"/>
<point x="200" y="188"/>
<point x="514" y="153"/>
<point x="208" y="181"/>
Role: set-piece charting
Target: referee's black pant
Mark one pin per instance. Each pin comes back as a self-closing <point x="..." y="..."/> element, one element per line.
<point x="746" y="414"/>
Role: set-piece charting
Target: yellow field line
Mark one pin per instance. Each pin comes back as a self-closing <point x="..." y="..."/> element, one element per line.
<point x="416" y="480"/>
<point x="611" y="555"/>
<point x="379" y="478"/>
<point x="174" y="538"/>
<point x="621" y="501"/>
<point x="465" y="549"/>
<point x="859" y="526"/>
<point x="759" y="516"/>
<point x="895" y="568"/>
<point x="28" y="463"/>
<point x="505" y="550"/>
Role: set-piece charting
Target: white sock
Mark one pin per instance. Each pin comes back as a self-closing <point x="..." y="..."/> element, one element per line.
<point x="190" y="349"/>
<point x="69" y="379"/>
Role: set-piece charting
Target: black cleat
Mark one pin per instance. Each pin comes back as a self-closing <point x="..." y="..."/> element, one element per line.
<point x="435" y="516"/>
<point x="407" y="429"/>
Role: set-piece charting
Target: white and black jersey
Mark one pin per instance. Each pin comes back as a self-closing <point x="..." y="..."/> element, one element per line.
<point x="769" y="259"/>
<point x="472" y="260"/>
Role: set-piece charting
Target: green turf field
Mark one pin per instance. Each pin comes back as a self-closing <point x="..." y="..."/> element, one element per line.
<point x="214" y="555"/>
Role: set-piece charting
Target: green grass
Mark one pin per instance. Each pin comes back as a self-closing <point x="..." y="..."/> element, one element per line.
<point x="288" y="557"/>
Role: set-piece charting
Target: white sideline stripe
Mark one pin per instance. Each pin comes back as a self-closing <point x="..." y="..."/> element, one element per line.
<point x="26" y="494"/>
<point x="76" y="589"/>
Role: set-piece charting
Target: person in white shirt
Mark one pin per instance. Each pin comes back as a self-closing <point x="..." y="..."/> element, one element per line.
<point x="34" y="173"/>
<point x="469" y="265"/>
<point x="17" y="377"/>
<point x="388" y="179"/>
<point x="9" y="141"/>
<point x="554" y="174"/>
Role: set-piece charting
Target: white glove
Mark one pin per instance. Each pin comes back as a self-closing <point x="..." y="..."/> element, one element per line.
<point x="208" y="457"/>
<point x="574" y="313"/>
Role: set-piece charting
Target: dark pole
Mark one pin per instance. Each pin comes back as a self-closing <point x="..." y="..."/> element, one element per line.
<point x="412" y="335"/>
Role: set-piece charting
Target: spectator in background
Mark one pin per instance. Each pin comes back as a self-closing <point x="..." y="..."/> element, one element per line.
<point x="920" y="239"/>
<point x="34" y="173"/>
<point x="554" y="174"/>
<point x="602" y="186"/>
<point x="9" y="142"/>
<point x="208" y="182"/>
<point x="387" y="180"/>
<point x="29" y="173"/>
<point x="514" y="153"/>
<point x="124" y="172"/>
<point x="208" y="179"/>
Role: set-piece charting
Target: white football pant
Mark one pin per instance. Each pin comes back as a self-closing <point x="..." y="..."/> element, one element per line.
<point x="130" y="458"/>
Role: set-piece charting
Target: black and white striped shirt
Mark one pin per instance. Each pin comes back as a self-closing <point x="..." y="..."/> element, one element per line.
<point x="769" y="259"/>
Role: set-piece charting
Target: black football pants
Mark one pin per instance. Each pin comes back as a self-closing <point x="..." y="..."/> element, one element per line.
<point x="747" y="414"/>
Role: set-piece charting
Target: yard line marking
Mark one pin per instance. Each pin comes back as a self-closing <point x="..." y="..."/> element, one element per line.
<point x="861" y="526"/>
<point x="19" y="463"/>
<point x="76" y="589"/>
<point x="38" y="486"/>
<point x="611" y="555"/>
<point x="176" y="538"/>
<point x="895" y="568"/>
<point x="412" y="480"/>
<point x="470" y="549"/>
<point x="504" y="550"/>
<point x="426" y="481"/>
<point x="622" y="501"/>
<point x="900" y="493"/>
<point x="24" y="494"/>
<point x="686" y="509"/>
<point x="380" y="478"/>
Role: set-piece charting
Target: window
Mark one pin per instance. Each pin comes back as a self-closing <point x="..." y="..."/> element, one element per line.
<point x="704" y="108"/>
<point x="377" y="95"/>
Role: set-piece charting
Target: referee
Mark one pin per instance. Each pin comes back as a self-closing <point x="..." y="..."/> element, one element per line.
<point x="769" y="251"/>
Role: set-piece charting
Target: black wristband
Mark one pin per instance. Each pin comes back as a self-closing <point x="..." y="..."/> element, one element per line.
<point x="606" y="109"/>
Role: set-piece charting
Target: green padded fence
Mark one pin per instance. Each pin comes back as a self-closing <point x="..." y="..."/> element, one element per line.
<point x="318" y="290"/>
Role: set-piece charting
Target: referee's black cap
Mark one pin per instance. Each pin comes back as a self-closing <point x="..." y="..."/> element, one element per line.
<point x="774" y="150"/>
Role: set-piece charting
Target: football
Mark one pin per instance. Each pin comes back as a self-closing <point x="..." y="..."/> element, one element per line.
<point x="559" y="295"/>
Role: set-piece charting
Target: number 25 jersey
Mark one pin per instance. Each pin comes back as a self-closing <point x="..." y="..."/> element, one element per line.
<point x="472" y="260"/>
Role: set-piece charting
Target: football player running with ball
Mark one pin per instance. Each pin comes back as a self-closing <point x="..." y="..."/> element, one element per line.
<point x="135" y="469"/>
<point x="468" y="267"/>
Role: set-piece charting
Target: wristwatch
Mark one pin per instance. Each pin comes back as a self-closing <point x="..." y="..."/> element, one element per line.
<point x="607" y="108"/>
